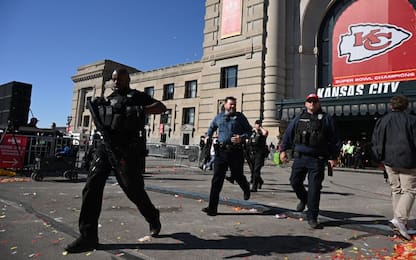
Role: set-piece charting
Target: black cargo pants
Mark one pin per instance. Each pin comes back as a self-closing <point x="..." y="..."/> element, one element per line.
<point x="130" y="180"/>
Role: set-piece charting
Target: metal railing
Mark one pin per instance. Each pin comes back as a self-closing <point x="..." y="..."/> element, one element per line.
<point x="184" y="155"/>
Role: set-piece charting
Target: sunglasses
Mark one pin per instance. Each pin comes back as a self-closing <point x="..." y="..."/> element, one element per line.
<point x="312" y="101"/>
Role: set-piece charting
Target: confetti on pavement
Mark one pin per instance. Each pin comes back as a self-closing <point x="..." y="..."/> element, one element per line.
<point x="145" y="239"/>
<point x="280" y="216"/>
<point x="237" y="209"/>
<point x="14" y="179"/>
<point x="34" y="255"/>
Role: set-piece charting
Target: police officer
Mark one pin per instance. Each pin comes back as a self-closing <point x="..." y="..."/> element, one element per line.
<point x="121" y="118"/>
<point x="258" y="152"/>
<point x="316" y="141"/>
<point x="233" y="129"/>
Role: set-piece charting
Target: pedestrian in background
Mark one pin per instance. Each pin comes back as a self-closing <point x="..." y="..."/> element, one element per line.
<point x="358" y="156"/>
<point x="348" y="151"/>
<point x="259" y="152"/>
<point x="315" y="141"/>
<point x="33" y="122"/>
<point x="210" y="163"/>
<point x="394" y="144"/>
<point x="233" y="129"/>
<point x="272" y="150"/>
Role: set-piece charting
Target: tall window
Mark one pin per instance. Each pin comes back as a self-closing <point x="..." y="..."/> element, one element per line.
<point x="190" y="89"/>
<point x="168" y="91"/>
<point x="188" y="116"/>
<point x="88" y="99"/>
<point x="166" y="117"/>
<point x="185" y="139"/>
<point x="163" y="138"/>
<point x="85" y="95"/>
<point x="229" y="77"/>
<point x="86" y="121"/>
<point x="149" y="91"/>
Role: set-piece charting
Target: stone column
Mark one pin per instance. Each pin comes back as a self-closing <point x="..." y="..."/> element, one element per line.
<point x="274" y="81"/>
<point x="274" y="61"/>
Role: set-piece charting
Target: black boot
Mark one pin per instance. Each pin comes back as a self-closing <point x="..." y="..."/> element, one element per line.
<point x="230" y="179"/>
<point x="246" y="190"/>
<point x="210" y="212"/>
<point x="254" y="187"/>
<point x="247" y="195"/>
<point x="155" y="226"/>
<point x="260" y="183"/>
<point x="82" y="244"/>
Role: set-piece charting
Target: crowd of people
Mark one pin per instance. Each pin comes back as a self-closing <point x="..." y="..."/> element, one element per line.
<point x="230" y="141"/>
<point x="355" y="154"/>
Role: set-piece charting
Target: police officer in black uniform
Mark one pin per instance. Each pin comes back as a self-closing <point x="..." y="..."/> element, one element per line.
<point x="258" y="152"/>
<point x="315" y="141"/>
<point x="233" y="129"/>
<point x="120" y="120"/>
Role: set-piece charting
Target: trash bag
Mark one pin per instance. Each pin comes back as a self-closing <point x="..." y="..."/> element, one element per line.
<point x="276" y="158"/>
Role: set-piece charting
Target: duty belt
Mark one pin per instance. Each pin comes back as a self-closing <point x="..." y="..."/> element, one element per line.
<point x="229" y="147"/>
<point x="299" y="155"/>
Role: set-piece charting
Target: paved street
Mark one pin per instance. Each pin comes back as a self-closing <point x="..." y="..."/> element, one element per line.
<point x="37" y="219"/>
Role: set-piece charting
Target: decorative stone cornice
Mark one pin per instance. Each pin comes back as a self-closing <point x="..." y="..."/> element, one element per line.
<point x="230" y="53"/>
<point x="168" y="72"/>
<point x="88" y="76"/>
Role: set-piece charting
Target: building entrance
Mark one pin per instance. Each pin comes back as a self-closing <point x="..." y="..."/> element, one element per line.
<point x="356" y="128"/>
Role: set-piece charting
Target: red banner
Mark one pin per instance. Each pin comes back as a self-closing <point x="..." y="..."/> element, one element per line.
<point x="374" y="41"/>
<point x="12" y="151"/>
<point x="231" y="18"/>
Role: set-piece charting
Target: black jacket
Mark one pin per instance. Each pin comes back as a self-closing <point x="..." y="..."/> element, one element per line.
<point x="394" y="140"/>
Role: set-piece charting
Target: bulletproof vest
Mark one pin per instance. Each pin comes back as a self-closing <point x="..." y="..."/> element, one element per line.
<point x="119" y="115"/>
<point x="257" y="140"/>
<point x="310" y="130"/>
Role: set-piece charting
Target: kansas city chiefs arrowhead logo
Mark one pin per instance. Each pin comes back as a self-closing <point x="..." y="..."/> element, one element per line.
<point x="366" y="41"/>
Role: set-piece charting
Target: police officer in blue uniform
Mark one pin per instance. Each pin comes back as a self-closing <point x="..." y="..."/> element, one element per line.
<point x="233" y="129"/>
<point x="316" y="143"/>
<point x="120" y="119"/>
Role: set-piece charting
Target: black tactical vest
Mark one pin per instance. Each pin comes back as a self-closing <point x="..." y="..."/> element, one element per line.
<point x="258" y="141"/>
<point x="122" y="115"/>
<point x="310" y="130"/>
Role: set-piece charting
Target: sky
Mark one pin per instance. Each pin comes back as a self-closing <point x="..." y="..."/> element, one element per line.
<point x="43" y="42"/>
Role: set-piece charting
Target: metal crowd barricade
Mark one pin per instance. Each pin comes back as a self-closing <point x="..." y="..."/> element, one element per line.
<point x="181" y="155"/>
<point x="187" y="155"/>
<point x="37" y="152"/>
<point x="42" y="147"/>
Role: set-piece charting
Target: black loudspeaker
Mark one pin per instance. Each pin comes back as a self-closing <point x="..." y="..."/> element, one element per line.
<point x="14" y="104"/>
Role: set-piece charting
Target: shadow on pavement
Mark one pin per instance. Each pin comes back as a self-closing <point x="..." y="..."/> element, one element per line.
<point x="255" y="245"/>
<point x="346" y="215"/>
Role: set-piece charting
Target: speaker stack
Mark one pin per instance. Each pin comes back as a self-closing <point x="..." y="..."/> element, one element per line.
<point x="14" y="104"/>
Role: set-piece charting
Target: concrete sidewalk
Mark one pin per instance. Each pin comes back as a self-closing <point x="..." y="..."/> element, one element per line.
<point x="39" y="218"/>
<point x="276" y="197"/>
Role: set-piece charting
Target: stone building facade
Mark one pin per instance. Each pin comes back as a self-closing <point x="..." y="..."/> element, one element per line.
<point x="263" y="52"/>
<point x="244" y="57"/>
